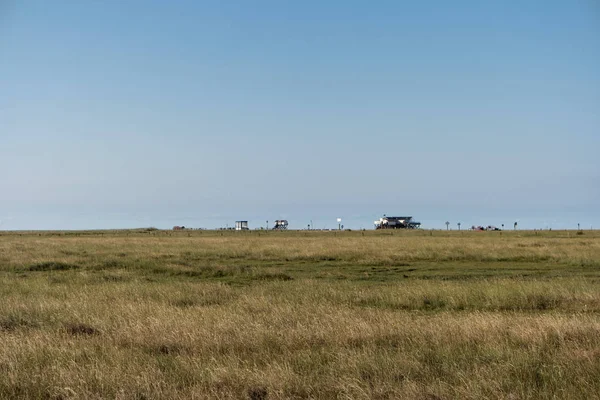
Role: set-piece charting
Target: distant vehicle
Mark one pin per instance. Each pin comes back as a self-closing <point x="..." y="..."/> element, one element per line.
<point x="396" y="223"/>
<point x="487" y="228"/>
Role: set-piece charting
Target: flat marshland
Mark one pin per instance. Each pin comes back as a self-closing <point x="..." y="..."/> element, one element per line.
<point x="290" y="315"/>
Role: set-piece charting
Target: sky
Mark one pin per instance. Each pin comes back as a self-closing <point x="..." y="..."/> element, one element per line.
<point x="139" y="113"/>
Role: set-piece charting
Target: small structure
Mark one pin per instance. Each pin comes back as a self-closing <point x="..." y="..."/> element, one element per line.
<point x="281" y="224"/>
<point x="241" y="225"/>
<point x="396" y="223"/>
<point x="178" y="228"/>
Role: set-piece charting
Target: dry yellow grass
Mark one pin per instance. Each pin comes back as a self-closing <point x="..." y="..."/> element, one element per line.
<point x="160" y="315"/>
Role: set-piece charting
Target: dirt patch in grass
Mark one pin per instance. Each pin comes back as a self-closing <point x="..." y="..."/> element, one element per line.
<point x="188" y="302"/>
<point x="258" y="393"/>
<point x="115" y="278"/>
<point x="185" y="302"/>
<point x="110" y="264"/>
<point x="53" y="266"/>
<point x="433" y="303"/>
<point x="12" y="322"/>
<point x="272" y="277"/>
<point x="167" y="349"/>
<point x="79" y="329"/>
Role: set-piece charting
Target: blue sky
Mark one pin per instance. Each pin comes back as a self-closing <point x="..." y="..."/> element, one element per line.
<point x="117" y="114"/>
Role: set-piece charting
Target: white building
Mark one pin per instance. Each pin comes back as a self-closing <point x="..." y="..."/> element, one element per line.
<point x="241" y="225"/>
<point x="396" y="223"/>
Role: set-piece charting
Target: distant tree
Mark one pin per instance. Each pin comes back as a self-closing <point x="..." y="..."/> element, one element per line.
<point x="458" y="226"/>
<point x="515" y="225"/>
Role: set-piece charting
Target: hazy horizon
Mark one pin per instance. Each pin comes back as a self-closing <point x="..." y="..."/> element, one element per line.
<point x="434" y="220"/>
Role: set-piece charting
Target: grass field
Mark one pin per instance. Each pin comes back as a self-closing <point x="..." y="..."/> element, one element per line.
<point x="281" y="315"/>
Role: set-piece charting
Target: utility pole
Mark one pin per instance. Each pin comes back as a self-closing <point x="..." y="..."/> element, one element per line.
<point x="447" y="225"/>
